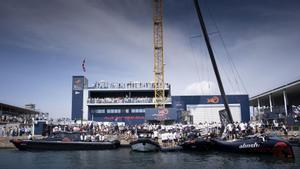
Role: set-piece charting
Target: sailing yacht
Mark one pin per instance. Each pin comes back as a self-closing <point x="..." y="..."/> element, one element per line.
<point x="257" y="144"/>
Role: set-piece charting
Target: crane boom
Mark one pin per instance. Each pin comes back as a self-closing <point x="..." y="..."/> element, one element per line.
<point x="159" y="84"/>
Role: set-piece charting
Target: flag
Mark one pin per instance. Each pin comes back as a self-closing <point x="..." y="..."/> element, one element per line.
<point x="83" y="65"/>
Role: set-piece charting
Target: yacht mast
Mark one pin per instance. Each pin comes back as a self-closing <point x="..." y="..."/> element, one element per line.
<point x="213" y="61"/>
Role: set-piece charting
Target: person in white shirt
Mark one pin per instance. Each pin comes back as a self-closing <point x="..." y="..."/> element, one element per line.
<point x="29" y="137"/>
<point x="155" y="135"/>
<point x="175" y="138"/>
<point x="170" y="138"/>
<point x="230" y="130"/>
<point x="284" y="129"/>
<point x="243" y="128"/>
<point x="164" y="139"/>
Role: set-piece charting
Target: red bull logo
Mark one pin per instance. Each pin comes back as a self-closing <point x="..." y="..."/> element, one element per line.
<point x="77" y="84"/>
<point x="161" y="114"/>
<point x="214" y="99"/>
<point x="77" y="81"/>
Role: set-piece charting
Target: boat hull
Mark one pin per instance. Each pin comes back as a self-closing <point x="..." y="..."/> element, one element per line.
<point x="144" y="145"/>
<point x="274" y="147"/>
<point x="196" y="145"/>
<point x="61" y="145"/>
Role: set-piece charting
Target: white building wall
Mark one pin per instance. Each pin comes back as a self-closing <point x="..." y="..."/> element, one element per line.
<point x="85" y="106"/>
<point x="210" y="112"/>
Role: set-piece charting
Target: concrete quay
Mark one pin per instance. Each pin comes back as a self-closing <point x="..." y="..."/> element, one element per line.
<point x="4" y="141"/>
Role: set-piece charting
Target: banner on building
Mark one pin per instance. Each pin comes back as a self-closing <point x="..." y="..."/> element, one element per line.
<point x="78" y="83"/>
<point x="161" y="114"/>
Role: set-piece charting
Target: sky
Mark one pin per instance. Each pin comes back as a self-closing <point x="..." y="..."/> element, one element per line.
<point x="43" y="42"/>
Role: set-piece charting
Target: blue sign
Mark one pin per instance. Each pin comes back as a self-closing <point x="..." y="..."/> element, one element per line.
<point x="78" y="83"/>
<point x="161" y="114"/>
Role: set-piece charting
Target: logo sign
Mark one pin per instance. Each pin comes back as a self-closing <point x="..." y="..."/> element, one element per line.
<point x="255" y="145"/>
<point x="178" y="104"/>
<point x="77" y="84"/>
<point x="161" y="114"/>
<point x="116" y="118"/>
<point x="214" y="99"/>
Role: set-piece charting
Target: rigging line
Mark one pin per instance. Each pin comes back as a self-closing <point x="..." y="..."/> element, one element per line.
<point x="210" y="75"/>
<point x="227" y="52"/>
<point x="225" y="72"/>
<point x="235" y="72"/>
<point x="197" y="36"/>
<point x="194" y="54"/>
<point x="233" y="64"/>
<point x="228" y="79"/>
<point x="195" y="62"/>
<point x="230" y="61"/>
<point x="201" y="67"/>
<point x="205" y="67"/>
<point x="219" y="33"/>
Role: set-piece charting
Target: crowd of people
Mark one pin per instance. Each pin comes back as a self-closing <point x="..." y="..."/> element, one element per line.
<point x="15" y="130"/>
<point x="238" y="130"/>
<point x="18" y="125"/>
<point x="130" y="85"/>
<point x="169" y="135"/>
<point x="24" y="119"/>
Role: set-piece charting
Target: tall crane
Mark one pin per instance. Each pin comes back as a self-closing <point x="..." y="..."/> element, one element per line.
<point x="159" y="83"/>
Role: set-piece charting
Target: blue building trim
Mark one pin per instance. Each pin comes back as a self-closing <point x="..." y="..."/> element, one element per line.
<point x="78" y="84"/>
<point x="77" y="104"/>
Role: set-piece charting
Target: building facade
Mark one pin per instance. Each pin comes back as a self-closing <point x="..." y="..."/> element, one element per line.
<point x="205" y="108"/>
<point x="133" y="103"/>
<point x="281" y="103"/>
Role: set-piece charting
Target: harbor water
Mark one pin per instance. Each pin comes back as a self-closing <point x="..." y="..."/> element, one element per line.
<point x="125" y="158"/>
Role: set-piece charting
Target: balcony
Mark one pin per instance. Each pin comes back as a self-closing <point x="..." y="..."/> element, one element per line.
<point x="126" y="86"/>
<point x="124" y="101"/>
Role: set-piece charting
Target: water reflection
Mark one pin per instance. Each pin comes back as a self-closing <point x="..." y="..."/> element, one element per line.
<point x="124" y="158"/>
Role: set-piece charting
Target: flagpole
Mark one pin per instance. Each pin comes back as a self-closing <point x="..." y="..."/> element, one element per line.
<point x="84" y="70"/>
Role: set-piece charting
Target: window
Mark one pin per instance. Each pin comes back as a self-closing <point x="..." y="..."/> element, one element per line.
<point x="138" y="110"/>
<point x="113" y="110"/>
<point x="98" y="111"/>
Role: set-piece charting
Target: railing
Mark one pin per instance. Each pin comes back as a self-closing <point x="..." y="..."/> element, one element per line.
<point x="275" y="109"/>
<point x="123" y="100"/>
<point x="130" y="85"/>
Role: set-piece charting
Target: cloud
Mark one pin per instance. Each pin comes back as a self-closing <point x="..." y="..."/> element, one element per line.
<point x="201" y="88"/>
<point x="268" y="60"/>
<point x="116" y="39"/>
